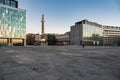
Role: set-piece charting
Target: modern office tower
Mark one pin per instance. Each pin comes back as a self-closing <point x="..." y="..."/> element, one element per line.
<point x="12" y="23"/>
<point x="91" y="33"/>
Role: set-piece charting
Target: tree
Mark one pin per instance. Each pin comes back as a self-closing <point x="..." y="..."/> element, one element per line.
<point x="51" y="39"/>
<point x="95" y="37"/>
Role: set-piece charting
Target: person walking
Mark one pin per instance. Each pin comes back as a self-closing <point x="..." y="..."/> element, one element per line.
<point x="83" y="45"/>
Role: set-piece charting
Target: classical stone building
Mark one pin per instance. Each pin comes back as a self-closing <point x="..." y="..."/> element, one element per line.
<point x="92" y="33"/>
<point x="33" y="39"/>
<point x="63" y="39"/>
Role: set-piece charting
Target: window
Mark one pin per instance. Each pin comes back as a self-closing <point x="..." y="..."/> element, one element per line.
<point x="1" y="1"/>
<point x="7" y="2"/>
<point x="13" y="4"/>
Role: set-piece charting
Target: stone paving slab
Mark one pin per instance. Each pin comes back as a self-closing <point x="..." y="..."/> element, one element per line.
<point x="60" y="63"/>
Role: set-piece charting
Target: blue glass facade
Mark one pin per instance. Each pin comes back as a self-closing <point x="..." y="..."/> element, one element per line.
<point x="11" y="3"/>
<point x="12" y="25"/>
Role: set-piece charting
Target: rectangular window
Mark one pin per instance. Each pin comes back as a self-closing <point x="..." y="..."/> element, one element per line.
<point x="7" y="2"/>
<point x="13" y="3"/>
<point x="1" y="1"/>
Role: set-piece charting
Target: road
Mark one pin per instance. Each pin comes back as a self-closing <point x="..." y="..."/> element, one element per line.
<point x="60" y="63"/>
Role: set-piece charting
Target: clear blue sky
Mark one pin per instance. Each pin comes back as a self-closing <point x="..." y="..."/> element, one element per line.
<point x="61" y="14"/>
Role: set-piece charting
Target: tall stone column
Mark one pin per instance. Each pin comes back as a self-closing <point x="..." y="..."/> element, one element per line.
<point x="42" y="21"/>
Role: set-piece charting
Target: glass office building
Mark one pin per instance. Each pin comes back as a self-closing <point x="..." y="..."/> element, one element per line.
<point x="12" y="23"/>
<point x="91" y="33"/>
<point x="85" y="32"/>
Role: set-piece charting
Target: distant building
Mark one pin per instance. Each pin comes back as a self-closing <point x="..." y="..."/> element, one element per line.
<point x="63" y="39"/>
<point x="37" y="37"/>
<point x="111" y="35"/>
<point x="33" y="39"/>
<point x="30" y="39"/>
<point x="51" y="39"/>
<point x="91" y="33"/>
<point x="12" y="23"/>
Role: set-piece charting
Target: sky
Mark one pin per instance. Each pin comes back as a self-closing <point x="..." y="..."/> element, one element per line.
<point x="61" y="14"/>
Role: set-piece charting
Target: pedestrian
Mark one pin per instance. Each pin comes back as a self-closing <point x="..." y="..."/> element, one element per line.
<point x="83" y="45"/>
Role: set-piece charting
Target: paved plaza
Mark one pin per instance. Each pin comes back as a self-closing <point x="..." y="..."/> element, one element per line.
<point x="60" y="63"/>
